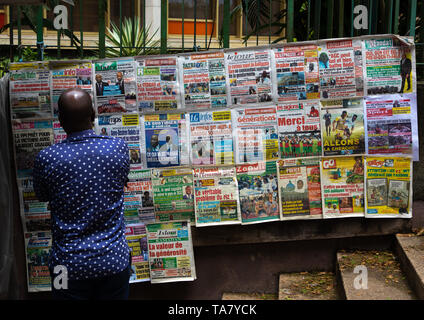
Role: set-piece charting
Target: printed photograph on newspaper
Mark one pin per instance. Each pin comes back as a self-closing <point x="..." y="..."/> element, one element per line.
<point x="136" y="236"/>
<point x="166" y="139"/>
<point x="249" y="77"/>
<point x="29" y="89"/>
<point x="296" y="72"/>
<point x="389" y="66"/>
<point x="138" y="198"/>
<point x="37" y="248"/>
<point x="255" y="136"/>
<point x="35" y="214"/>
<point x="30" y="137"/>
<point x="342" y="127"/>
<point x="69" y="74"/>
<point x="342" y="187"/>
<point x="171" y="256"/>
<point x="299" y="184"/>
<point x="258" y="192"/>
<point x="392" y="125"/>
<point x="216" y="196"/>
<point x="157" y="83"/>
<point x="126" y="127"/>
<point x="173" y="195"/>
<point x="388" y="187"/>
<point x="211" y="138"/>
<point x="203" y="78"/>
<point x="299" y="133"/>
<point x="115" y="85"/>
<point x="340" y="68"/>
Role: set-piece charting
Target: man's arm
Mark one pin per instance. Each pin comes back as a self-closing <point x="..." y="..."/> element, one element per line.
<point x="40" y="184"/>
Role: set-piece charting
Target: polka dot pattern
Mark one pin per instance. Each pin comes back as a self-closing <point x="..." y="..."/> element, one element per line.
<point x="83" y="178"/>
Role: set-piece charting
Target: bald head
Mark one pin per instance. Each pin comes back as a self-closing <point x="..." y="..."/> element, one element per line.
<point x="75" y="110"/>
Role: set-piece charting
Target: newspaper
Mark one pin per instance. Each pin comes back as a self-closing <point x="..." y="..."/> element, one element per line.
<point x="138" y="198"/>
<point x="58" y="133"/>
<point x="296" y="75"/>
<point x="173" y="195"/>
<point x="171" y="257"/>
<point x="69" y="74"/>
<point x="157" y="83"/>
<point x="258" y="192"/>
<point x="342" y="185"/>
<point x="115" y="86"/>
<point x="342" y="127"/>
<point x="340" y="68"/>
<point x="203" y="79"/>
<point x="126" y="127"/>
<point x="29" y="90"/>
<point x="35" y="215"/>
<point x="249" y="77"/>
<point x="216" y="196"/>
<point x="37" y="251"/>
<point x="392" y="126"/>
<point x="211" y="138"/>
<point x="388" y="187"/>
<point x="136" y="236"/>
<point x="166" y="140"/>
<point x="255" y="134"/>
<point x="299" y="129"/>
<point x="299" y="184"/>
<point x="30" y="137"/>
<point x="389" y="66"/>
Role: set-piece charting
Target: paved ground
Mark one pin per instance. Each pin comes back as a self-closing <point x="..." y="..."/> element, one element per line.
<point x="248" y="296"/>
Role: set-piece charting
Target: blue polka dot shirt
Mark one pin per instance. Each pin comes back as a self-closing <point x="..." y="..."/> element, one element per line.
<point x="83" y="178"/>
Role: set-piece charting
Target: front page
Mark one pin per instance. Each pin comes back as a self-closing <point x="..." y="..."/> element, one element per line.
<point x="136" y="236"/>
<point x="171" y="256"/>
<point x="388" y="187"/>
<point x="216" y="196"/>
<point x="342" y="187"/>
<point x="37" y="249"/>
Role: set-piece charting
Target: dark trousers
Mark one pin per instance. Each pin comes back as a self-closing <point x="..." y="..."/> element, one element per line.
<point x="114" y="287"/>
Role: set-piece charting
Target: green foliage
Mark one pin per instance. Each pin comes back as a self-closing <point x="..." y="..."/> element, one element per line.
<point x="136" y="40"/>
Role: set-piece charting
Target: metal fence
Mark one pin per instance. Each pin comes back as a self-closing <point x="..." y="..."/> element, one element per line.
<point x="262" y="21"/>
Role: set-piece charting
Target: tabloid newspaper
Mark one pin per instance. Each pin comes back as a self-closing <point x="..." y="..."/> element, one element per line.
<point x="296" y="75"/>
<point x="138" y="197"/>
<point x="136" y="236"/>
<point x="166" y="140"/>
<point x="340" y="69"/>
<point x="157" y="83"/>
<point x="249" y="77"/>
<point x="299" y="185"/>
<point x="299" y="132"/>
<point x="30" y="137"/>
<point x="126" y="127"/>
<point x="211" y="138"/>
<point x="114" y="86"/>
<point x="69" y="74"/>
<point x="58" y="133"/>
<point x="389" y="66"/>
<point x="37" y="250"/>
<point x="203" y="79"/>
<point x="342" y="185"/>
<point x="29" y="90"/>
<point x="255" y="134"/>
<point x="258" y="192"/>
<point x="392" y="126"/>
<point x="388" y="187"/>
<point x="342" y="127"/>
<point x="35" y="214"/>
<point x="171" y="256"/>
<point x="173" y="195"/>
<point x="216" y="196"/>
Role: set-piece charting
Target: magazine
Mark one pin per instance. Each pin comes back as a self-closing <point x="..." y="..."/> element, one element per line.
<point x="136" y="236"/>
<point x="37" y="250"/>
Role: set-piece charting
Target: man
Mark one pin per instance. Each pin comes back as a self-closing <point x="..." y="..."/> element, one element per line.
<point x="405" y="72"/>
<point x="154" y="144"/>
<point x="188" y="195"/>
<point x="100" y="84"/>
<point x="83" y="178"/>
<point x="120" y="81"/>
